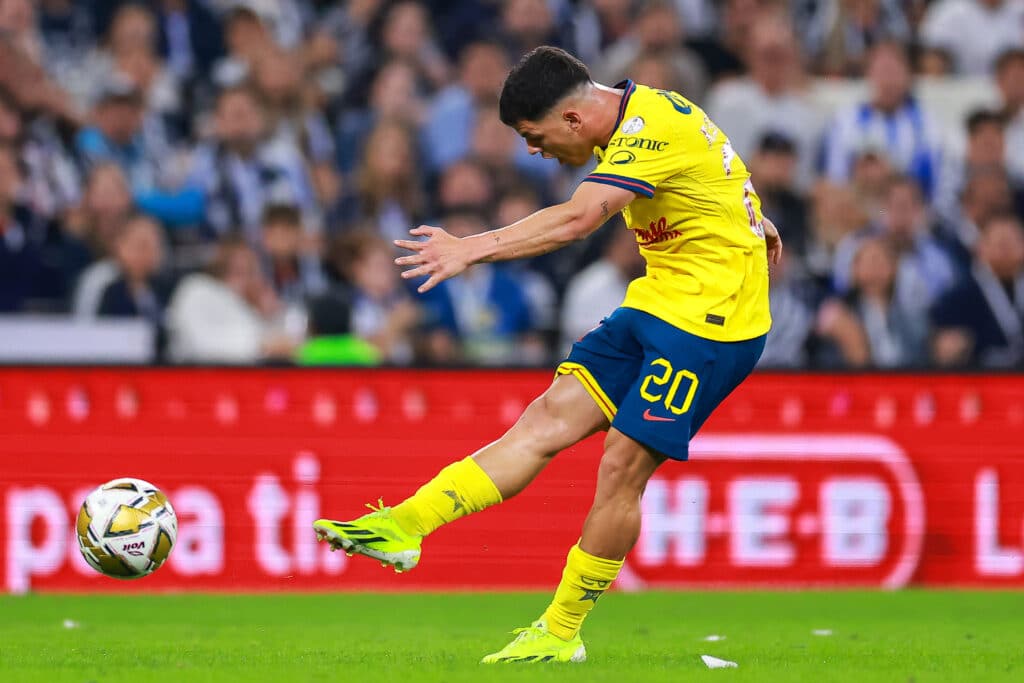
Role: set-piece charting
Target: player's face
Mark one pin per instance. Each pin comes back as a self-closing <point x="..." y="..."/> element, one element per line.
<point x="553" y="137"/>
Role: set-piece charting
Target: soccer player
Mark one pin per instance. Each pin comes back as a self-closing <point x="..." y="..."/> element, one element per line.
<point x="687" y="333"/>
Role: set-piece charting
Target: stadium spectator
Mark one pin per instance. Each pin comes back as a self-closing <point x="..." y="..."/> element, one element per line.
<point x="382" y="311"/>
<point x="190" y="38"/>
<point x="724" y="48"/>
<point x="987" y="192"/>
<point x="67" y="31"/>
<point x="869" y="176"/>
<point x="769" y="99"/>
<point x="230" y="315"/>
<point x="657" y="31"/>
<point x="986" y="148"/>
<point x="652" y="69"/>
<point x="1009" y="76"/>
<point x="453" y="113"/>
<point x="526" y="24"/>
<point x="246" y="39"/>
<point x="294" y="118"/>
<point x="50" y="182"/>
<point x="925" y="268"/>
<point x="773" y="172"/>
<point x="20" y="261"/>
<point x="841" y="32"/>
<point x="835" y="213"/>
<point x="133" y="52"/>
<point x="981" y="321"/>
<point x="387" y="190"/>
<point x="597" y="25"/>
<point x="465" y="183"/>
<point x="975" y="32"/>
<point x="121" y="132"/>
<point x="243" y="168"/>
<point x="793" y="299"/>
<point x="891" y="119"/>
<point x="348" y="27"/>
<point x="292" y="267"/>
<point x="871" y="325"/>
<point x="138" y="292"/>
<point x="538" y="276"/>
<point x="407" y="34"/>
<point x="394" y="96"/>
<point x="485" y="309"/>
<point x="106" y="205"/>
<point x="599" y="289"/>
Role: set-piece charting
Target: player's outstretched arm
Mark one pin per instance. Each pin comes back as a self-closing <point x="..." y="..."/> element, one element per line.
<point x="442" y="256"/>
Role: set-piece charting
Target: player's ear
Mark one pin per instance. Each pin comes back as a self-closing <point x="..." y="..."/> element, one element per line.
<point x="573" y="119"/>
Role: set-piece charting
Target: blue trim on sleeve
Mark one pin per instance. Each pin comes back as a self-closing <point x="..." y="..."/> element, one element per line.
<point x="632" y="184"/>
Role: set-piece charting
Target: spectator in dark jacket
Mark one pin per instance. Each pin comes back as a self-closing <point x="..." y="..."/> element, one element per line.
<point x="138" y="292"/>
<point x="20" y="264"/>
<point x="981" y="321"/>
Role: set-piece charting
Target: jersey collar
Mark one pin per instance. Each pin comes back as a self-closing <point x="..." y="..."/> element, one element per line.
<point x="628" y="87"/>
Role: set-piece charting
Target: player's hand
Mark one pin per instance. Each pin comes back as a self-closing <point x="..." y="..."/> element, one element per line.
<point x="773" y="241"/>
<point x="440" y="256"/>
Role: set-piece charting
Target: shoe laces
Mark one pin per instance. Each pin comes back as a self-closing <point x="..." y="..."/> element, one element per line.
<point x="530" y="632"/>
<point x="380" y="509"/>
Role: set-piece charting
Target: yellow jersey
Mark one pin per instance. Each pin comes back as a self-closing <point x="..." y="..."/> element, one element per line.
<point x="696" y="217"/>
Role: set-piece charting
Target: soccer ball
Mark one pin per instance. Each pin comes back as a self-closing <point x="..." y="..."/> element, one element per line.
<point x="126" y="528"/>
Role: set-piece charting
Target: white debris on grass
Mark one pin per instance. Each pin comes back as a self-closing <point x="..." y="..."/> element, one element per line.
<point x="70" y="623"/>
<point x="822" y="631"/>
<point x="716" y="663"/>
<point x="713" y="638"/>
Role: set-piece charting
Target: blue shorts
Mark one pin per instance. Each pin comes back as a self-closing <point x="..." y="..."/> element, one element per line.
<point x="656" y="383"/>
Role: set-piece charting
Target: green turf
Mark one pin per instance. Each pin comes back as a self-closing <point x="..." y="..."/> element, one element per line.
<point x="909" y="636"/>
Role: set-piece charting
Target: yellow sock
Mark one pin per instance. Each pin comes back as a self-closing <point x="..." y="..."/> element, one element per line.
<point x="458" y="490"/>
<point x="584" y="579"/>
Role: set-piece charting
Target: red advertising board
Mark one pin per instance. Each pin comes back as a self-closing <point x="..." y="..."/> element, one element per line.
<point x="797" y="480"/>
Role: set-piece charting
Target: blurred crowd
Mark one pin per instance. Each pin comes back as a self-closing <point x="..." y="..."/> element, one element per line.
<point x="232" y="172"/>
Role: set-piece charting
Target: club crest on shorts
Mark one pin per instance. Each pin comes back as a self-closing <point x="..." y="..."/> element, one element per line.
<point x="633" y="125"/>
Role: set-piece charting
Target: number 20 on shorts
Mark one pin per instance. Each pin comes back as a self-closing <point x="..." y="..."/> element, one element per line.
<point x="670" y="397"/>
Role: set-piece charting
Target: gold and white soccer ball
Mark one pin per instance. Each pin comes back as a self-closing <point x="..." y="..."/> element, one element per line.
<point x="126" y="528"/>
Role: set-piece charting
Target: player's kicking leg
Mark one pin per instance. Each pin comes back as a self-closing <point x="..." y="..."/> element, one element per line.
<point x="609" y="532"/>
<point x="558" y="418"/>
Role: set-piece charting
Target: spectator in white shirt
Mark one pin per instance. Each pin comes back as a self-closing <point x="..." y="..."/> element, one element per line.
<point x="228" y="316"/>
<point x="769" y="99"/>
<point x="975" y="32"/>
<point x="599" y="288"/>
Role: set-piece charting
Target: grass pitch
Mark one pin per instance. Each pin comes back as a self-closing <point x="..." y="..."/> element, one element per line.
<point x="912" y="636"/>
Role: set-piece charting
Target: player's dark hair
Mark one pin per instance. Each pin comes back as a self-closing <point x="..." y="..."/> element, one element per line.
<point x="984" y="117"/>
<point x="541" y="78"/>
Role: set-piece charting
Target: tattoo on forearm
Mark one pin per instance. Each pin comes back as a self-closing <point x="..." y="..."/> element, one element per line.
<point x="604" y="209"/>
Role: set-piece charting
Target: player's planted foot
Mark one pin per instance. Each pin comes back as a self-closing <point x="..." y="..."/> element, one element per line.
<point x="536" y="644"/>
<point x="375" y="535"/>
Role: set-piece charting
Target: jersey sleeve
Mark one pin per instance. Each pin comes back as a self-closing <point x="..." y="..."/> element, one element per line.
<point x="641" y="160"/>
